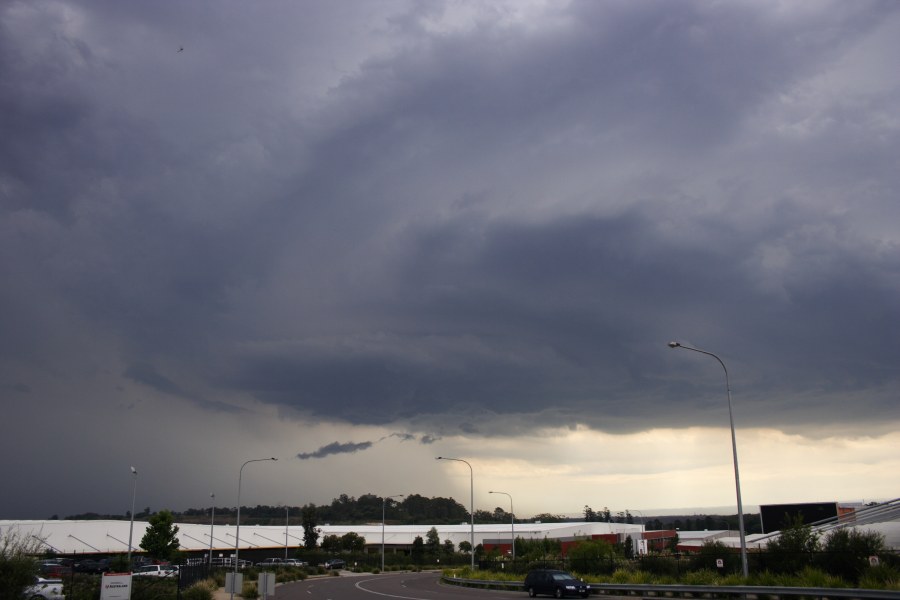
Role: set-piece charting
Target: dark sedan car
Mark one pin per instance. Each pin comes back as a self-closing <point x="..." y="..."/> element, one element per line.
<point x="89" y="565"/>
<point x="555" y="583"/>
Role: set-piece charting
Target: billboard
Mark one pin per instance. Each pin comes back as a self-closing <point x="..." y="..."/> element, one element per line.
<point x="778" y="517"/>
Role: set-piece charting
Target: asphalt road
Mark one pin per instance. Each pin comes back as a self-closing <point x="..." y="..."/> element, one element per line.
<point x="384" y="586"/>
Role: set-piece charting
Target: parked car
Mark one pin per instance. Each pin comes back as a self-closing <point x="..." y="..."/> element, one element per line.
<point x="293" y="562"/>
<point x="139" y="561"/>
<point x="54" y="568"/>
<point x="156" y="571"/>
<point x="44" y="589"/>
<point x="335" y="563"/>
<point x="105" y="565"/>
<point x="555" y="583"/>
<point x="270" y="562"/>
<point x="89" y="565"/>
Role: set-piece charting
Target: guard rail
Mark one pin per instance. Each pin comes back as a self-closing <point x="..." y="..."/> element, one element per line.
<point x="641" y="590"/>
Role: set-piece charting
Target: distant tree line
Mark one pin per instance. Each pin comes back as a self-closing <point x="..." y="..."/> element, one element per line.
<point x="416" y="510"/>
<point x="752" y="523"/>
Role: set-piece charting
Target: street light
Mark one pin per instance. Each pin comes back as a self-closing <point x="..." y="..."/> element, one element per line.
<point x="212" y="522"/>
<point x="471" y="503"/>
<point x="287" y="523"/>
<point x="131" y="526"/>
<point x="737" y="477"/>
<point x="237" y="530"/>
<point x="512" y="523"/>
<point x="383" y="503"/>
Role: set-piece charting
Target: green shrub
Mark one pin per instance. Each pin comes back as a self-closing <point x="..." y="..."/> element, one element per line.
<point x="633" y="576"/>
<point x="659" y="565"/>
<point x="846" y="552"/>
<point x="701" y="577"/>
<point x="882" y="577"/>
<point x="764" y="578"/>
<point x="198" y="591"/>
<point x="812" y="577"/>
<point x="249" y="591"/>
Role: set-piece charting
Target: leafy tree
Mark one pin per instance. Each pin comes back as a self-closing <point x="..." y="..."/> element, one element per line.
<point x="353" y="542"/>
<point x="448" y="548"/>
<point x="501" y="516"/>
<point x="548" y="518"/>
<point x="712" y="551"/>
<point x="589" y="514"/>
<point x="538" y="549"/>
<point x="433" y="510"/>
<point x="331" y="543"/>
<point x="432" y="542"/>
<point x="160" y="539"/>
<point x="310" y="532"/>
<point x="585" y="555"/>
<point x="793" y="549"/>
<point x="465" y="546"/>
<point x="846" y="552"/>
<point x="17" y="567"/>
<point x="479" y="551"/>
<point x="418" y="550"/>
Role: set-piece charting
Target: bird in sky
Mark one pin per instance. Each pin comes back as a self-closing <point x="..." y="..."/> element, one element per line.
<point x="180" y="49"/>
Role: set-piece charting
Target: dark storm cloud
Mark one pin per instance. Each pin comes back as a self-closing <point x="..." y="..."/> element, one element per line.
<point x="543" y="315"/>
<point x="353" y="447"/>
<point x="395" y="215"/>
<point x="335" y="448"/>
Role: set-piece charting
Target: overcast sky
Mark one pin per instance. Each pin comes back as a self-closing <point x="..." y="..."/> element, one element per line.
<point x="356" y="235"/>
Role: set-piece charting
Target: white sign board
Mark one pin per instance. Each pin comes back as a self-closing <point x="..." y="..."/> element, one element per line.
<point x="720" y="563"/>
<point x="115" y="586"/>
<point x="234" y="583"/>
<point x="266" y="584"/>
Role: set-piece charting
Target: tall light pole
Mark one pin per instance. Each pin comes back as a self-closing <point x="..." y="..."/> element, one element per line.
<point x="212" y="522"/>
<point x="131" y="526"/>
<point x="383" y="503"/>
<point x="237" y="530"/>
<point x="287" y="523"/>
<point x="512" y="523"/>
<point x="471" y="503"/>
<point x="737" y="476"/>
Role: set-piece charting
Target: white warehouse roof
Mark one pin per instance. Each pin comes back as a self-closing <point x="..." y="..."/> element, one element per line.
<point x="111" y="537"/>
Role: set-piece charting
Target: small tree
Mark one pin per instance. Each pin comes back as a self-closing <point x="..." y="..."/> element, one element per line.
<point x="465" y="547"/>
<point x="418" y="550"/>
<point x="846" y="552"/>
<point x="710" y="553"/>
<point x="793" y="549"/>
<point x="353" y="542"/>
<point x="331" y="543"/>
<point x="310" y="531"/>
<point x="587" y="555"/>
<point x="432" y="542"/>
<point x="17" y="566"/>
<point x="159" y="540"/>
